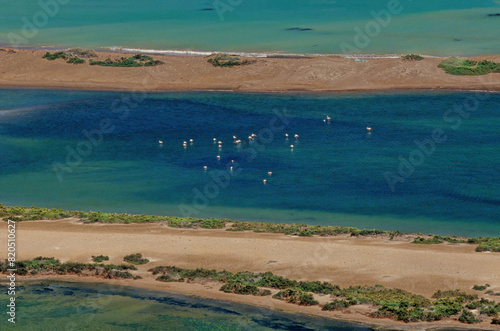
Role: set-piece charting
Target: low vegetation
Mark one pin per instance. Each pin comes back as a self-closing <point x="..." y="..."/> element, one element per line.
<point x="480" y="287"/>
<point x="19" y="214"/>
<point x="63" y="55"/>
<point x="135" y="259"/>
<point x="225" y="60"/>
<point x="295" y="295"/>
<point x="491" y="244"/>
<point x="412" y="57"/>
<point x="339" y="304"/>
<point x="100" y="258"/>
<point x="49" y="265"/>
<point x="433" y="240"/>
<point x="455" y="66"/>
<point x="73" y="56"/>
<point x="137" y="60"/>
<point x="389" y="303"/>
<point x="82" y="52"/>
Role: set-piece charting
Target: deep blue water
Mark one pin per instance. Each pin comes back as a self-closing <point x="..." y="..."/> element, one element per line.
<point x="335" y="174"/>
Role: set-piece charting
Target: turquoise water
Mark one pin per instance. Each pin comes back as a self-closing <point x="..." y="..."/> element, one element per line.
<point x="74" y="306"/>
<point x="445" y="27"/>
<point x="336" y="173"/>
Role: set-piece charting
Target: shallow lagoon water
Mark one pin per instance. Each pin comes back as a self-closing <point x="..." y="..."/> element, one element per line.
<point x="334" y="175"/>
<point x="445" y="27"/>
<point x="79" y="306"/>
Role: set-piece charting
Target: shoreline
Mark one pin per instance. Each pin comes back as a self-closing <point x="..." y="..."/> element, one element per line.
<point x="343" y="260"/>
<point x="201" y="53"/>
<point x="200" y="291"/>
<point x="25" y="68"/>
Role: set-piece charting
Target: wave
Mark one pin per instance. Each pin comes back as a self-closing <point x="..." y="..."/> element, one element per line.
<point x="196" y="53"/>
<point x="188" y="52"/>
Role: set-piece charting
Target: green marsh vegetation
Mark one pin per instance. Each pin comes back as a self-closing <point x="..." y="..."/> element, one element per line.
<point x="387" y="303"/>
<point x="466" y="67"/>
<point x="50" y="265"/>
<point x="225" y="60"/>
<point x="19" y="214"/>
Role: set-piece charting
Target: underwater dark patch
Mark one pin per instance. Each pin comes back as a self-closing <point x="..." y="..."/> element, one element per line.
<point x="299" y="29"/>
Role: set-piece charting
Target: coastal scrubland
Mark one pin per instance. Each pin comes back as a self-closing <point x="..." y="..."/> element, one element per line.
<point x="395" y="304"/>
<point x="36" y="213"/>
<point x="467" y="67"/>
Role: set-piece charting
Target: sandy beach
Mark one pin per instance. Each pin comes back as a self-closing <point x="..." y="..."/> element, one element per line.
<point x="23" y="68"/>
<point x="342" y="260"/>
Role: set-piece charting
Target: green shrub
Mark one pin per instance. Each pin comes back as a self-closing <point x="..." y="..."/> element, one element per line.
<point x="57" y="55"/>
<point x="429" y="241"/>
<point x="83" y="52"/>
<point x="468" y="317"/>
<point x="447" y="306"/>
<point x="412" y="57"/>
<point x="491" y="309"/>
<point x="454" y="294"/>
<point x="52" y="266"/>
<point x="135" y="259"/>
<point x="225" y="60"/>
<point x="339" y="304"/>
<point x="479" y="287"/>
<point x="75" y="60"/>
<point x="239" y="288"/>
<point x="137" y="60"/>
<point x="495" y="321"/>
<point x="454" y="66"/>
<point x="100" y="258"/>
<point x="269" y="280"/>
<point x="488" y="244"/>
<point x="473" y="305"/>
<point x="296" y="296"/>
